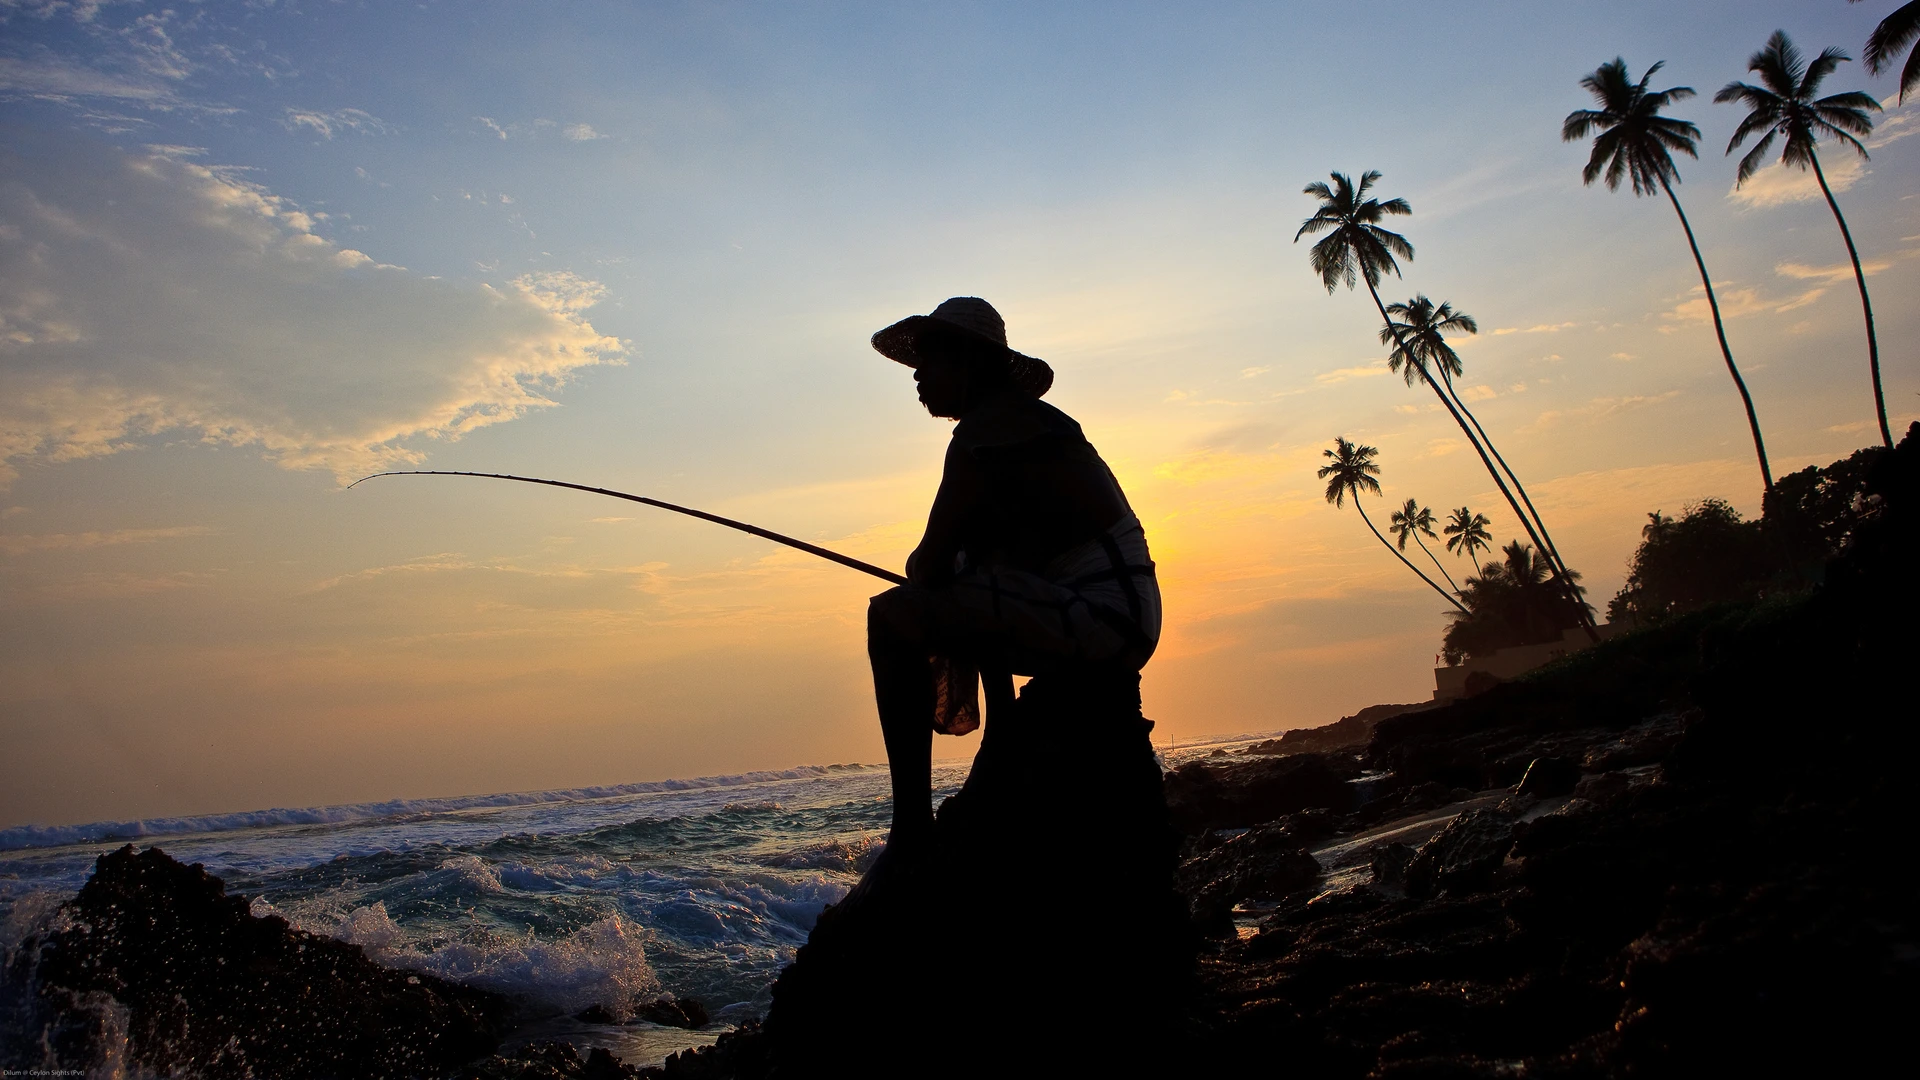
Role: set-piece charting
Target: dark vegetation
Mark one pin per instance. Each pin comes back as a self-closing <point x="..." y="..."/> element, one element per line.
<point x="1679" y="860"/>
<point x="1709" y="555"/>
<point x="1516" y="601"/>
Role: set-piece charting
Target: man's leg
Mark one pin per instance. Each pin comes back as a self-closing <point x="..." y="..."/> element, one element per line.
<point x="903" y="691"/>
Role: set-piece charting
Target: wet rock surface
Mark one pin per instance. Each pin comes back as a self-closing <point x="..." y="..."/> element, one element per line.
<point x="157" y="952"/>
<point x="1213" y="794"/>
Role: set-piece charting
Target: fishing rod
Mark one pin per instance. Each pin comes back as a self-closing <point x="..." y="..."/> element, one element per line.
<point x="755" y="530"/>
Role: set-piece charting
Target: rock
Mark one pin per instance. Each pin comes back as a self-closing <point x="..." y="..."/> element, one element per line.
<point x="1549" y="776"/>
<point x="596" y="1014"/>
<point x="1344" y="733"/>
<point x="675" y="1012"/>
<point x="1389" y="868"/>
<point x="1202" y="795"/>
<point x="210" y="989"/>
<point x="551" y="1061"/>
<point x="1265" y="863"/>
<point x="1598" y="789"/>
<point x="1465" y="855"/>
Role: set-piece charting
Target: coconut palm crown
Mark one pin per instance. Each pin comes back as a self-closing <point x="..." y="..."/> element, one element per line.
<point x="1413" y="521"/>
<point x="1350" y="470"/>
<point x="1417" y="333"/>
<point x="1635" y="141"/>
<point x="1896" y="32"/>
<point x="1785" y="107"/>
<point x="1467" y="534"/>
<point x="1356" y="246"/>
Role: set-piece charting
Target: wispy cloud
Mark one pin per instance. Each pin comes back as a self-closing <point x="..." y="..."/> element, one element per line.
<point x="1834" y="272"/>
<point x="23" y="544"/>
<point x="1735" y="303"/>
<point x="1778" y="185"/>
<point x="1340" y="375"/>
<point x="1542" y="328"/>
<point x="1596" y="409"/>
<point x="580" y="133"/>
<point x="337" y="122"/>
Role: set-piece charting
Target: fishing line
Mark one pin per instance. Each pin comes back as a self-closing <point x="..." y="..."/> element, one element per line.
<point x="755" y="530"/>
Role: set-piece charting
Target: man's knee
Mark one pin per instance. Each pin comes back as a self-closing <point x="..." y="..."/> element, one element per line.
<point x="895" y="616"/>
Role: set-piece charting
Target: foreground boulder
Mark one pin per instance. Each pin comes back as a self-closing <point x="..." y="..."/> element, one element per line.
<point x="205" y="989"/>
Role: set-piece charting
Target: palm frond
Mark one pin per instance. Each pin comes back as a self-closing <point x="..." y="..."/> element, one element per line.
<point x="1894" y="33"/>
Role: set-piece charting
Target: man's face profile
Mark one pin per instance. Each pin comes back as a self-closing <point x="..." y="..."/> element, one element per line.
<point x="943" y="385"/>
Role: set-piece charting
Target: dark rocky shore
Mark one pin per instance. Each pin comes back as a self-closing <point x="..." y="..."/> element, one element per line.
<point x="1685" y="851"/>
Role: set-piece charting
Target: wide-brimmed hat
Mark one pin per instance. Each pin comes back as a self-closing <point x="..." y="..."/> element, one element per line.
<point x="969" y="321"/>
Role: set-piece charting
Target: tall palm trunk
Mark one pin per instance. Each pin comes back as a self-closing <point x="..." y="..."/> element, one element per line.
<point x="1866" y="305"/>
<point x="1525" y="522"/>
<point x="1396" y="554"/>
<point x="1436" y="562"/>
<point x="1753" y="421"/>
<point x="1550" y="549"/>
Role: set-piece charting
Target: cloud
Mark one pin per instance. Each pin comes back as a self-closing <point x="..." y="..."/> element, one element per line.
<point x="1482" y="392"/>
<point x="1833" y="273"/>
<point x="1362" y="371"/>
<point x="1734" y="303"/>
<point x="1596" y="409"/>
<point x="337" y="122"/>
<point x="52" y="79"/>
<point x="142" y="293"/>
<point x="580" y="133"/>
<point x="1778" y="185"/>
<point x="22" y="544"/>
<point x="1542" y="328"/>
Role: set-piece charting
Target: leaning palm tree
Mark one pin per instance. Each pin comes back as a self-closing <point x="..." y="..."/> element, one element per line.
<point x="1357" y="249"/>
<point x="1467" y="533"/>
<point x="1417" y="331"/>
<point x="1636" y="143"/>
<point x="1351" y="471"/>
<point x="1786" y="107"/>
<point x="1894" y="33"/>
<point x="1410" y="521"/>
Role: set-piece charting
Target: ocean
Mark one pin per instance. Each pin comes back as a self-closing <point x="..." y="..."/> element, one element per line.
<point x="562" y="900"/>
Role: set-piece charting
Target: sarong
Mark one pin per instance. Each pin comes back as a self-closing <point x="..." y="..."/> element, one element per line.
<point x="1097" y="604"/>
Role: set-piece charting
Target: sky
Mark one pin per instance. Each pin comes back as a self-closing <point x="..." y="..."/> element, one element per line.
<point x="250" y="252"/>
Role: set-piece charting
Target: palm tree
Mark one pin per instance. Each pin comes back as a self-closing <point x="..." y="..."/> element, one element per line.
<point x="1352" y="470"/>
<point x="1513" y="602"/>
<point x="1357" y="249"/>
<point x="1419" y="344"/>
<point x="1786" y="107"/>
<point x="1412" y="520"/>
<point x="1894" y="33"/>
<point x="1634" y="144"/>
<point x="1467" y="533"/>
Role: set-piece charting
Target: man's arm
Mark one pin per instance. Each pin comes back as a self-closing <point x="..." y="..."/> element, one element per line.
<point x="962" y="491"/>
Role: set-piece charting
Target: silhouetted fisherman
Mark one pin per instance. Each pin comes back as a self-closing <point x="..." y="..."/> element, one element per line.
<point x="1048" y="877"/>
<point x="1032" y="562"/>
